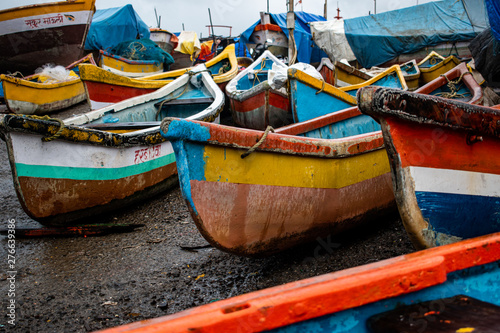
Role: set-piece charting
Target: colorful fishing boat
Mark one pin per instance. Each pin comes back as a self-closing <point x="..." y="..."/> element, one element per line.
<point x="96" y="162"/>
<point x="104" y="88"/>
<point x="327" y="70"/>
<point x="32" y="36"/>
<point x="346" y="75"/>
<point x="411" y="73"/>
<point x="434" y="65"/>
<point x="127" y="67"/>
<point x="290" y="188"/>
<point x="166" y="40"/>
<point x="442" y="152"/>
<point x="452" y="288"/>
<point x="253" y="101"/>
<point x="37" y="94"/>
<point x="311" y="97"/>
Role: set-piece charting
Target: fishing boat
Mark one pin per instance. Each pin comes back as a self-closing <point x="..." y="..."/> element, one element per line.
<point x="442" y="152"/>
<point x="253" y="101"/>
<point x="411" y="73"/>
<point x="34" y="35"/>
<point x="311" y="97"/>
<point x="65" y="172"/>
<point x="346" y="75"/>
<point x="127" y="67"/>
<point x="166" y="40"/>
<point x="434" y="65"/>
<point x="36" y="94"/>
<point x="327" y="70"/>
<point x="254" y="193"/>
<point x="104" y="88"/>
<point x="451" y="288"/>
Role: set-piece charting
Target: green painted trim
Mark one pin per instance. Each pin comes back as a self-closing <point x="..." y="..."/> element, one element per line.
<point x="60" y="172"/>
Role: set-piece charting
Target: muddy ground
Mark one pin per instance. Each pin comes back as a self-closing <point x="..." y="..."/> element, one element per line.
<point x="81" y="284"/>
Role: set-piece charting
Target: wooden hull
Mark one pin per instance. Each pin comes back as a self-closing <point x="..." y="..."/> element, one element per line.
<point x="127" y="67"/>
<point x="88" y="170"/>
<point x="32" y="36"/>
<point x="446" y="179"/>
<point x="311" y="98"/>
<point x="346" y="75"/>
<point x="104" y="88"/>
<point x="290" y="191"/>
<point x="434" y="65"/>
<point x="327" y="71"/>
<point x="260" y="107"/>
<point x="26" y="97"/>
<point x="254" y="103"/>
<point x="353" y="299"/>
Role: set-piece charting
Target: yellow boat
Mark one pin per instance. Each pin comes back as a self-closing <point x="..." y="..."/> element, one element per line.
<point x="434" y="65"/>
<point x="35" y="95"/>
<point x="346" y="75"/>
<point x="104" y="88"/>
<point x="411" y="73"/>
<point x="127" y="67"/>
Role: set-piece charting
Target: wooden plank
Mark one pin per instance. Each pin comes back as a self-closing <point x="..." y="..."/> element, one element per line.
<point x="185" y="101"/>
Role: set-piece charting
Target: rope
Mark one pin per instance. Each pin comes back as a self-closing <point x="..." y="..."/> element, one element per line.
<point x="59" y="131"/>
<point x="262" y="139"/>
<point x="256" y="73"/>
<point x="322" y="87"/>
<point x="452" y="85"/>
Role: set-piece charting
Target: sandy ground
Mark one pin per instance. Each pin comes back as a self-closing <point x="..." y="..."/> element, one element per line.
<point x="81" y="284"/>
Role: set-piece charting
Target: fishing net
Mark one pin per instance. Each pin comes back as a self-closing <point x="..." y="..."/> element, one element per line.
<point x="50" y="74"/>
<point x="142" y="49"/>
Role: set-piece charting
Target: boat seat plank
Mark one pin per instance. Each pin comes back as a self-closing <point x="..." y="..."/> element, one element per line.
<point x="186" y="101"/>
<point x="448" y="315"/>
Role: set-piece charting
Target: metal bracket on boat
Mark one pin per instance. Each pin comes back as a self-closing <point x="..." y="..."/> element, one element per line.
<point x="473" y="138"/>
<point x="255" y="146"/>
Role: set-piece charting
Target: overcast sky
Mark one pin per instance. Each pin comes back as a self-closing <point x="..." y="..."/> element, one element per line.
<point x="240" y="14"/>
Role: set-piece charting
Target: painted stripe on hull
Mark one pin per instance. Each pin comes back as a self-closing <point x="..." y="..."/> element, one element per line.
<point x="42" y="200"/>
<point x="431" y="146"/>
<point x="460" y="216"/>
<point x="136" y="72"/>
<point x="36" y="158"/>
<point x="44" y="21"/>
<point x="226" y="165"/>
<point x="257" y="113"/>
<point x="455" y="182"/>
<point x="99" y="92"/>
<point x="249" y="219"/>
<point x="24" y="107"/>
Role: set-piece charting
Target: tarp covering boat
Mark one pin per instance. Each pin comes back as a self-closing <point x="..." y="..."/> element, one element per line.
<point x="115" y="25"/>
<point x="493" y="7"/>
<point x="307" y="51"/>
<point x="376" y="39"/>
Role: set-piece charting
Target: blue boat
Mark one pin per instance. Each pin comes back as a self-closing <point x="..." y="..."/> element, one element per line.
<point x="311" y="97"/>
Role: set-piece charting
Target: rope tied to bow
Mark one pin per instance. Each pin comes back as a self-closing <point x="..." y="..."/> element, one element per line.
<point x="59" y="131"/>
<point x="262" y="139"/>
<point x="454" y="86"/>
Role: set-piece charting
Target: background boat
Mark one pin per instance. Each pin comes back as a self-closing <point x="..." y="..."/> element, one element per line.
<point x="127" y="67"/>
<point x="434" y="65"/>
<point x="253" y="101"/>
<point x="90" y="164"/>
<point x="36" y="94"/>
<point x="411" y="73"/>
<point x="104" y="88"/>
<point x="38" y="34"/>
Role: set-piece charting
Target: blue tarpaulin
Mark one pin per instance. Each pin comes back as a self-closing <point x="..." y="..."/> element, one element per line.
<point x="112" y="26"/>
<point x="376" y="39"/>
<point x="493" y="7"/>
<point x="307" y="51"/>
